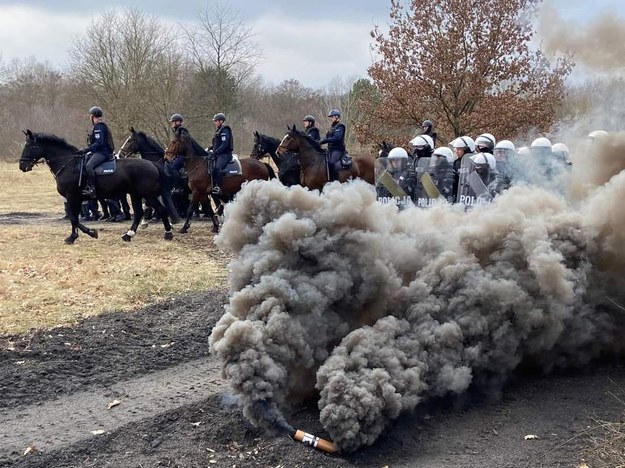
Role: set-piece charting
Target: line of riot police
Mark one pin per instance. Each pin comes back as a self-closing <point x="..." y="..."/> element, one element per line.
<point x="469" y="172"/>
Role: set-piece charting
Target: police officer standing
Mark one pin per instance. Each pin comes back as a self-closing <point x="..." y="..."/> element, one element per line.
<point x="335" y="138"/>
<point x="310" y="129"/>
<point x="100" y="146"/>
<point x="222" y="147"/>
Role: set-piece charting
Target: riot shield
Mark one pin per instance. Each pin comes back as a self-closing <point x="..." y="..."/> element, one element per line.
<point x="392" y="181"/>
<point x="473" y="184"/>
<point x="441" y="172"/>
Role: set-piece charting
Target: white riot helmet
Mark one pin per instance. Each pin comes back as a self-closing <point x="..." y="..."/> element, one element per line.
<point x="464" y="142"/>
<point x="423" y="145"/>
<point x="597" y="134"/>
<point x="398" y="153"/>
<point x="482" y="166"/>
<point x="422" y="140"/>
<point x="561" y="151"/>
<point x="540" y="147"/>
<point x="485" y="143"/>
<point x="445" y="152"/>
<point x="504" y="149"/>
<point x="523" y="151"/>
<point x="486" y="158"/>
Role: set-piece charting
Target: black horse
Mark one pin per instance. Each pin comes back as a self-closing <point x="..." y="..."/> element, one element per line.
<point x="288" y="165"/>
<point x="136" y="177"/>
<point x="150" y="149"/>
<point x="385" y="148"/>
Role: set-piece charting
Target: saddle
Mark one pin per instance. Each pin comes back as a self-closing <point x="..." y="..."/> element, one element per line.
<point x="343" y="164"/>
<point x="106" y="168"/>
<point x="233" y="167"/>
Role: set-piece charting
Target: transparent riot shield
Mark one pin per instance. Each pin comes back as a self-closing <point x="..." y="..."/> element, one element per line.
<point x="393" y="182"/>
<point x="442" y="174"/>
<point x="474" y="180"/>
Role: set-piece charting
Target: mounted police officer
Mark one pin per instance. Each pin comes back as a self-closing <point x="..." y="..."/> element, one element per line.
<point x="222" y="148"/>
<point x="175" y="122"/>
<point x="335" y="138"/>
<point x="428" y="129"/>
<point x="100" y="146"/>
<point x="310" y="129"/>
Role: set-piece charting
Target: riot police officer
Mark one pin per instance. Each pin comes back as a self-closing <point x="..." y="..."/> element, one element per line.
<point x="335" y="138"/>
<point x="222" y="148"/>
<point x="310" y="129"/>
<point x="423" y="147"/>
<point x="100" y="146"/>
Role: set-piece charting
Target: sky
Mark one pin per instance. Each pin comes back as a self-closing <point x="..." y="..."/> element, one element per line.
<point x="313" y="42"/>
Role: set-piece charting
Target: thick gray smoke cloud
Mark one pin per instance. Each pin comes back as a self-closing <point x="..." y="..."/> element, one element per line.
<point x="598" y="44"/>
<point x="380" y="310"/>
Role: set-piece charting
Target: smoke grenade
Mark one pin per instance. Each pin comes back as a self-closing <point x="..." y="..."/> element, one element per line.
<point x="375" y="310"/>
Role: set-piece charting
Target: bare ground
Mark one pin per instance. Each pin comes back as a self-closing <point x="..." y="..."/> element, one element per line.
<point x="175" y="410"/>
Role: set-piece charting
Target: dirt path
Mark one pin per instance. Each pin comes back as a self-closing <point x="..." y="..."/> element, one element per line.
<point x="175" y="410"/>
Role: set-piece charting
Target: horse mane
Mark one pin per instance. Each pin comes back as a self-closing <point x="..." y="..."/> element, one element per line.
<point x="314" y="143"/>
<point x="197" y="148"/>
<point x="272" y="140"/>
<point x="54" y="140"/>
<point x="151" y="141"/>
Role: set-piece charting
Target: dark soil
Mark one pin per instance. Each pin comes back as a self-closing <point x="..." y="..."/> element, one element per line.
<point x="176" y="411"/>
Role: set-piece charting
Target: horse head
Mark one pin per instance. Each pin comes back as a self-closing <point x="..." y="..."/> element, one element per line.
<point x="384" y="149"/>
<point x="31" y="153"/>
<point x="179" y="144"/>
<point x="130" y="146"/>
<point x="290" y="142"/>
<point x="258" y="151"/>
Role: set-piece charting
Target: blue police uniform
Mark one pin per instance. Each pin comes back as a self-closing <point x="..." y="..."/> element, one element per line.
<point x="101" y="148"/>
<point x="335" y="138"/>
<point x="223" y="146"/>
<point x="313" y="132"/>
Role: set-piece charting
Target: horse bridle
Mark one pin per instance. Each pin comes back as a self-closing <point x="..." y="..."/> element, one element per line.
<point x="35" y="162"/>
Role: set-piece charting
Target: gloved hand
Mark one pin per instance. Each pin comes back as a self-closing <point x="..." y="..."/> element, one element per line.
<point x="323" y="142"/>
<point x="83" y="151"/>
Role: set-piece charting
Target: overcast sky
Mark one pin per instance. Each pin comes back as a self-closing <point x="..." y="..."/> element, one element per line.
<point x="311" y="41"/>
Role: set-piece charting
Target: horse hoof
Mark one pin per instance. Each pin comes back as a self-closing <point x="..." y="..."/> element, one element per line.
<point x="215" y="229"/>
<point x="126" y="238"/>
<point x="169" y="235"/>
<point x="93" y="233"/>
<point x="183" y="230"/>
<point x="70" y="240"/>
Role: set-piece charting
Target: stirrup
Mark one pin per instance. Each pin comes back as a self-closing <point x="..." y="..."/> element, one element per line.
<point x="216" y="190"/>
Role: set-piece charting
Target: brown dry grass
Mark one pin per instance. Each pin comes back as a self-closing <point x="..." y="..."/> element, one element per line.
<point x="44" y="283"/>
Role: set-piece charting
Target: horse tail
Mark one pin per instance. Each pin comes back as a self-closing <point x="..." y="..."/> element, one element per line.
<point x="272" y="174"/>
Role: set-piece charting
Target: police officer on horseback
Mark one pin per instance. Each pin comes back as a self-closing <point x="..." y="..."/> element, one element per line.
<point x="222" y="148"/>
<point x="335" y="138"/>
<point x="100" y="146"/>
<point x="177" y="162"/>
<point x="310" y="129"/>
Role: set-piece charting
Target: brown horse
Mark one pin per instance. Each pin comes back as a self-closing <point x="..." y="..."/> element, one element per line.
<point x="196" y="163"/>
<point x="312" y="160"/>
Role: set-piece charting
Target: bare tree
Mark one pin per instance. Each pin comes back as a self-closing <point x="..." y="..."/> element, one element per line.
<point x="127" y="63"/>
<point x="466" y="65"/>
<point x="224" y="55"/>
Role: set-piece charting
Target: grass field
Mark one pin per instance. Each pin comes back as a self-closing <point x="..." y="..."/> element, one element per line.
<point x="44" y="283"/>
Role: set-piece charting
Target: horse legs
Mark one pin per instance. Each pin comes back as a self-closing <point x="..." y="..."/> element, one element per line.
<point x="137" y="208"/>
<point x="195" y="201"/>
<point x="74" y="206"/>
<point x="162" y="211"/>
<point x="211" y="213"/>
<point x="170" y="207"/>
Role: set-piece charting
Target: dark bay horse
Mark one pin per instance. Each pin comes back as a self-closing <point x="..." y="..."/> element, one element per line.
<point x="196" y="163"/>
<point x="136" y="177"/>
<point x="314" y="170"/>
<point x="146" y="146"/>
<point x="288" y="165"/>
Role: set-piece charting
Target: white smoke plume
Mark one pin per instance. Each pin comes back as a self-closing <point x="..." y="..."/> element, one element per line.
<point x="379" y="310"/>
<point x="598" y="44"/>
